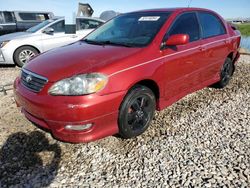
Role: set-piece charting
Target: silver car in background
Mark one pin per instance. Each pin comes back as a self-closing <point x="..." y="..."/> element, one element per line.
<point x="18" y="48"/>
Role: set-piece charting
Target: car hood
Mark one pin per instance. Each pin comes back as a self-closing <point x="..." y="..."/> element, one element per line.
<point x="16" y="35"/>
<point x="77" y="58"/>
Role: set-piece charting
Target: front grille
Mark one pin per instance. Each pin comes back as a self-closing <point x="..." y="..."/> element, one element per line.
<point x="33" y="81"/>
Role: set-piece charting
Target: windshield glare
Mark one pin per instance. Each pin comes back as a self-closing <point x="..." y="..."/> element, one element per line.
<point x="135" y="29"/>
<point x="40" y="26"/>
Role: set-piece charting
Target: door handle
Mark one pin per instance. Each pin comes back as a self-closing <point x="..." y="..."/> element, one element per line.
<point x="74" y="36"/>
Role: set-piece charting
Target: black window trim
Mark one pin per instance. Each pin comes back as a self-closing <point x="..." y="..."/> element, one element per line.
<point x="219" y="19"/>
<point x="172" y="24"/>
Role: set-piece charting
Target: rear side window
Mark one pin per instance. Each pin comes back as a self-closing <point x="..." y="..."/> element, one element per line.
<point x="8" y="17"/>
<point x="211" y="25"/>
<point x="87" y="24"/>
<point x="33" y="16"/>
<point x="186" y="24"/>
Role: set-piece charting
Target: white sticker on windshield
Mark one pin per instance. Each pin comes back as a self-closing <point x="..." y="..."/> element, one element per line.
<point x="149" y="18"/>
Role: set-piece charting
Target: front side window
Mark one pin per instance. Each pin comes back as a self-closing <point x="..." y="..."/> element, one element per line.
<point x="40" y="26"/>
<point x="27" y="16"/>
<point x="186" y="24"/>
<point x="211" y="25"/>
<point x="82" y="24"/>
<point x="59" y="27"/>
<point x="134" y="29"/>
<point x="8" y="17"/>
<point x="33" y="16"/>
<point x="41" y="17"/>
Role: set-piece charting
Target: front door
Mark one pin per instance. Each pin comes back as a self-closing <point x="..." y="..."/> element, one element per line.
<point x="182" y="62"/>
<point x="58" y="37"/>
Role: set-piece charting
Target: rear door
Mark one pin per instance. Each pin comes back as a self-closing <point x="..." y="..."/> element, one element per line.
<point x="182" y="63"/>
<point x="7" y="23"/>
<point x="58" y="37"/>
<point x="214" y="45"/>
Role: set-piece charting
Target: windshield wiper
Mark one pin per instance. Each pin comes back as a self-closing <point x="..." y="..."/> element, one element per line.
<point x="93" y="42"/>
<point x="118" y="44"/>
<point x="107" y="42"/>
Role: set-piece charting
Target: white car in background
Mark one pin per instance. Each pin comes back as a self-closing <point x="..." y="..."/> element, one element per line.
<point x="18" y="48"/>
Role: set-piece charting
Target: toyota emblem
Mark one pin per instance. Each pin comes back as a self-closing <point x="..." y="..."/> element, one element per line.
<point x="28" y="79"/>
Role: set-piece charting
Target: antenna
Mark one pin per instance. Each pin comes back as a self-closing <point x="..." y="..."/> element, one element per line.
<point x="190" y="1"/>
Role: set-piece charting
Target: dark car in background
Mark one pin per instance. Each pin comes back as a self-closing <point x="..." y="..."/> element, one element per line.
<point x="14" y="21"/>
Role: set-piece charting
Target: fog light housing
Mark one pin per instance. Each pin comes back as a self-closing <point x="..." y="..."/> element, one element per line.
<point x="79" y="127"/>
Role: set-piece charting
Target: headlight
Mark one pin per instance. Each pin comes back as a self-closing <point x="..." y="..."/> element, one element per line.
<point x="79" y="85"/>
<point x="2" y="44"/>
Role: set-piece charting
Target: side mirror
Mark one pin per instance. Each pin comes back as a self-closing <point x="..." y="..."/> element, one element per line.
<point x="49" y="31"/>
<point x="178" y="39"/>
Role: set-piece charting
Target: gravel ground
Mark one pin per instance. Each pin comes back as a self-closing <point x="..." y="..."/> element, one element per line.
<point x="201" y="141"/>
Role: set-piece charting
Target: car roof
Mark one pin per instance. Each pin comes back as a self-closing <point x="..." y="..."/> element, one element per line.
<point x="174" y="9"/>
<point x="21" y="11"/>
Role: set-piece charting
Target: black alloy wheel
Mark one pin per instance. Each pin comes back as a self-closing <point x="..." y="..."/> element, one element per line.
<point x="226" y="74"/>
<point x="136" y="112"/>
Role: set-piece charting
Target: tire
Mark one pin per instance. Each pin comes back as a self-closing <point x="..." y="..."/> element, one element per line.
<point x="226" y="74"/>
<point x="23" y="54"/>
<point x="136" y="112"/>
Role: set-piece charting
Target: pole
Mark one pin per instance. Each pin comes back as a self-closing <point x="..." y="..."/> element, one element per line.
<point x="189" y="3"/>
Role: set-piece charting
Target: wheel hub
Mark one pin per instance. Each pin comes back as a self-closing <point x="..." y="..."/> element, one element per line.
<point x="25" y="55"/>
<point x="139" y="114"/>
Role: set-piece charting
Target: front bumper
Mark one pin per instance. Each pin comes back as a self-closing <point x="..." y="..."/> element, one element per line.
<point x="55" y="112"/>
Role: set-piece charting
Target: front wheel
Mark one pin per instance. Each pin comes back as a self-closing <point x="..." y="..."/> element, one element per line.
<point x="136" y="112"/>
<point x="226" y="74"/>
<point x="23" y="54"/>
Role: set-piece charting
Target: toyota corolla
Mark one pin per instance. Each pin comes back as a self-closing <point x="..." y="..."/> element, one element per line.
<point x="112" y="81"/>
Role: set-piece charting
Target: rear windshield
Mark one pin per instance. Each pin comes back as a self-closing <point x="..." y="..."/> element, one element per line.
<point x="134" y="29"/>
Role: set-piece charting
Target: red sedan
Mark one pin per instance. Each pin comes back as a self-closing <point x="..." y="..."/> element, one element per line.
<point x="114" y="79"/>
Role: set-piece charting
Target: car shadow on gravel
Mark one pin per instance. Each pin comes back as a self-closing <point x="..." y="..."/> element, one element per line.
<point x="28" y="160"/>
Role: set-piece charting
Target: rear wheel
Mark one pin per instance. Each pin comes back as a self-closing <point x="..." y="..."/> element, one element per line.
<point x="136" y="112"/>
<point x="225" y="74"/>
<point x="23" y="54"/>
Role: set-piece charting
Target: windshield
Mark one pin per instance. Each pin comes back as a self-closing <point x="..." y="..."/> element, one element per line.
<point x="40" y="26"/>
<point x="132" y="29"/>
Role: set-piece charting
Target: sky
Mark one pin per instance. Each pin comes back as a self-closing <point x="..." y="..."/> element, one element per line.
<point x="226" y="8"/>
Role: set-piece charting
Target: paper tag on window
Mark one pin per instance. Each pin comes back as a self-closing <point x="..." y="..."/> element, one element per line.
<point x="149" y="18"/>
